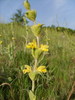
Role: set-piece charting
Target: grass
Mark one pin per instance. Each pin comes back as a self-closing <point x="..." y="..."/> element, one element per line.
<point x="60" y="61"/>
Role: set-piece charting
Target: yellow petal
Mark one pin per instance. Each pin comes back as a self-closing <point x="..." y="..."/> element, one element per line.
<point x="32" y="45"/>
<point x="42" y="69"/>
<point x="27" y="69"/>
<point x="44" y="47"/>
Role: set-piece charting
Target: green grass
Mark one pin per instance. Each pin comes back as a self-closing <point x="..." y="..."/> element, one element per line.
<point x="60" y="62"/>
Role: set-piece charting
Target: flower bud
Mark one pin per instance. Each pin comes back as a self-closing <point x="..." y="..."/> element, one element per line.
<point x="31" y="15"/>
<point x="27" y="5"/>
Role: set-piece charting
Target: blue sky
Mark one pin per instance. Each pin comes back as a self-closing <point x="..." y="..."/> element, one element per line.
<point x="57" y="12"/>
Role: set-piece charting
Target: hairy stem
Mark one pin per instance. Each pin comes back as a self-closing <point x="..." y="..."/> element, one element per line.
<point x="33" y="85"/>
<point x="35" y="63"/>
<point x="37" y="41"/>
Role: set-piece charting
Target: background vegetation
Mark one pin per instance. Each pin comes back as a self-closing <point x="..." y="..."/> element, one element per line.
<point x="57" y="84"/>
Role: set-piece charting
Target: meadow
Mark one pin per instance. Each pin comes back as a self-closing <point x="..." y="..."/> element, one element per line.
<point x="59" y="81"/>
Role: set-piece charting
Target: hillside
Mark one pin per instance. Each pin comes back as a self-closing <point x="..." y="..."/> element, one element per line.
<point x="60" y="61"/>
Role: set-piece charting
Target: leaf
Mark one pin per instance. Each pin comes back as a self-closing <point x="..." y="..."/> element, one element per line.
<point x="31" y="15"/>
<point x="27" y="5"/>
<point x="31" y="95"/>
<point x="37" y="53"/>
<point x="32" y="75"/>
<point x="36" y="29"/>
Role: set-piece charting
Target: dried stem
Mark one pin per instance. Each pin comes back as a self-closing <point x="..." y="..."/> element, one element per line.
<point x="3" y="84"/>
<point x="71" y="92"/>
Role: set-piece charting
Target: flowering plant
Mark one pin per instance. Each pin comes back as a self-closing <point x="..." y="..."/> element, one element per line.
<point x="36" y="48"/>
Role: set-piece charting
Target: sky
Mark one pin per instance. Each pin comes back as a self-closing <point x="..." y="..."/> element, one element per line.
<point x="49" y="12"/>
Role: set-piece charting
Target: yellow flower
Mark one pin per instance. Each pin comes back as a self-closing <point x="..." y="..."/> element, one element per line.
<point x="31" y="14"/>
<point x="27" y="69"/>
<point x="42" y="69"/>
<point x="44" y="47"/>
<point x="27" y="5"/>
<point x="32" y="45"/>
<point x="36" y="29"/>
<point x="13" y="38"/>
<point x="1" y="42"/>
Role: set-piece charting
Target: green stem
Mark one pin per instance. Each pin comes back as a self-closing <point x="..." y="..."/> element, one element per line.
<point x="37" y="41"/>
<point x="33" y="85"/>
<point x="35" y="64"/>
